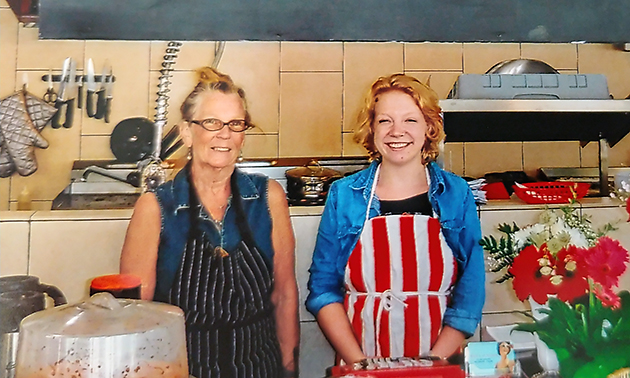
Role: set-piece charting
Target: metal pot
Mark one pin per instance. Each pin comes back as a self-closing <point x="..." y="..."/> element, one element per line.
<point x="522" y="66"/>
<point x="308" y="185"/>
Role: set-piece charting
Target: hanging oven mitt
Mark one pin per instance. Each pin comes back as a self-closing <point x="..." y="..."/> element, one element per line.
<point x="22" y="116"/>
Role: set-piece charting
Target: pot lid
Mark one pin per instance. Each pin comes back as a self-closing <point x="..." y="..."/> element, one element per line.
<point x="103" y="315"/>
<point x="313" y="170"/>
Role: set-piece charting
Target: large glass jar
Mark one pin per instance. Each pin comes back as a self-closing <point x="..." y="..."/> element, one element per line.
<point x="103" y="337"/>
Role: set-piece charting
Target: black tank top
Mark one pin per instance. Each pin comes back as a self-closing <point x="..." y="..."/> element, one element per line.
<point x="418" y="204"/>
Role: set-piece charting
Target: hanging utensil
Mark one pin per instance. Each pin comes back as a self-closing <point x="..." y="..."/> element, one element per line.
<point x="60" y="101"/>
<point x="101" y="95"/>
<point x="109" y="82"/>
<point x="90" y="86"/>
<point x="71" y="85"/>
<point x="50" y="96"/>
<point x="132" y="139"/>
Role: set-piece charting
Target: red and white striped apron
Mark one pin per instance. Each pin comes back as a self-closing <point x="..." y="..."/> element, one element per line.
<point x="398" y="280"/>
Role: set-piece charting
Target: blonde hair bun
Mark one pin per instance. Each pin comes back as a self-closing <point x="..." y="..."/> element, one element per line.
<point x="209" y="75"/>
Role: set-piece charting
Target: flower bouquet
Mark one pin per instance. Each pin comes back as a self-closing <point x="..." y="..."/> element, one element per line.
<point x="572" y="268"/>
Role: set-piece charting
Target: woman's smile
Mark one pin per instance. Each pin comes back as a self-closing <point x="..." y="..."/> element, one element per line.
<point x="399" y="128"/>
<point x="398" y="145"/>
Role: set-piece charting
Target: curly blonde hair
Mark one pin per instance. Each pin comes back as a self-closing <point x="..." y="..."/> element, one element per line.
<point x="209" y="80"/>
<point x="425" y="98"/>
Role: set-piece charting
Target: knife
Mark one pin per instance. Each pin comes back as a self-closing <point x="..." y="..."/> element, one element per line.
<point x="90" y="86"/>
<point x="72" y="83"/>
<point x="80" y="93"/>
<point x="108" y="94"/>
<point x="100" y="96"/>
<point x="61" y="95"/>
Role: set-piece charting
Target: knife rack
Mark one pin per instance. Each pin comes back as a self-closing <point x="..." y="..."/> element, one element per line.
<point x="79" y="78"/>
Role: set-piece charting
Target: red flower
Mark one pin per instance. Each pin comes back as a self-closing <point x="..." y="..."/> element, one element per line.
<point x="528" y="279"/>
<point x="606" y="261"/>
<point x="573" y="281"/>
<point x="608" y="297"/>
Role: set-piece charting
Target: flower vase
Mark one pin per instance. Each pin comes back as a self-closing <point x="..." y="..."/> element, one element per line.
<point x="547" y="357"/>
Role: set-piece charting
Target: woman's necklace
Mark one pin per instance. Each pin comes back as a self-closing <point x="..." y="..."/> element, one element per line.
<point x="218" y="222"/>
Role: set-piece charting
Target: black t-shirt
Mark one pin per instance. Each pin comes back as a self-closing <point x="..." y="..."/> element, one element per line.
<point x="418" y="204"/>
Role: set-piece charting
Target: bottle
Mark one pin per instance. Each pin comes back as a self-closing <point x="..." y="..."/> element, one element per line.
<point x="119" y="285"/>
<point x="24" y="199"/>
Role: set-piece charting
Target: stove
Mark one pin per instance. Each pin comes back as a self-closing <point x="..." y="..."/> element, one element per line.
<point x="110" y="185"/>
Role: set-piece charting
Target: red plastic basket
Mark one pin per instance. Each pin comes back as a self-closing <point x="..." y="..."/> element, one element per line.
<point x="550" y="192"/>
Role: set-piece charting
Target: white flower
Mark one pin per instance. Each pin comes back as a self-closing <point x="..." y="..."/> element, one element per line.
<point x="577" y="238"/>
<point x="548" y="217"/>
<point x="523" y="236"/>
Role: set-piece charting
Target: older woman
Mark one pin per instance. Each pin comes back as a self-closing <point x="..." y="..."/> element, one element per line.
<point x="397" y="268"/>
<point x="218" y="243"/>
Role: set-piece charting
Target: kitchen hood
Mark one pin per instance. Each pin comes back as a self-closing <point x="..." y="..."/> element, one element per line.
<point x="528" y="108"/>
<point x="350" y="20"/>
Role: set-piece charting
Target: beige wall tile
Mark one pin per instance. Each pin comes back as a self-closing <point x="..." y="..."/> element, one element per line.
<point x="255" y="66"/>
<point x="34" y="53"/>
<point x="453" y="158"/>
<point x="54" y="165"/>
<point x="95" y="147"/>
<point x="191" y="56"/>
<point x="433" y="56"/>
<point x="58" y="248"/>
<point x="8" y="50"/>
<point x="440" y="82"/>
<point x="5" y="187"/>
<point x="363" y="64"/>
<point x="550" y="154"/>
<point x="620" y="153"/>
<point x="14" y="248"/>
<point x="352" y="148"/>
<point x="310" y="116"/>
<point x="606" y="59"/>
<point x="130" y="64"/>
<point x="480" y="57"/>
<point x="261" y="146"/>
<point x="589" y="155"/>
<point x="561" y="56"/>
<point x="311" y="56"/>
<point x="482" y="158"/>
<point x="35" y="205"/>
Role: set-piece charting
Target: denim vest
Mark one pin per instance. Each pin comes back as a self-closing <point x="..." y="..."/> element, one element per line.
<point x="342" y="222"/>
<point x="174" y="200"/>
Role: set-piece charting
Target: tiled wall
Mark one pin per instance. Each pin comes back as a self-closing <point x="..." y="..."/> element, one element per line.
<point x="303" y="96"/>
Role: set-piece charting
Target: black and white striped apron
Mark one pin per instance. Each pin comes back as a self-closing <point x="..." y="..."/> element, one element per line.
<point x="230" y="321"/>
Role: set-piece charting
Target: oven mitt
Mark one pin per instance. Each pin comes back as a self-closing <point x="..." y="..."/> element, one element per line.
<point x="22" y="116"/>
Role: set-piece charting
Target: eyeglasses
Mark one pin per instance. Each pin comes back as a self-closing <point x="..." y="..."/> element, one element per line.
<point x="213" y="124"/>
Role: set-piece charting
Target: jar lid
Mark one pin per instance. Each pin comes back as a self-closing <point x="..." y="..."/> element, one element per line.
<point x="313" y="171"/>
<point x="103" y="315"/>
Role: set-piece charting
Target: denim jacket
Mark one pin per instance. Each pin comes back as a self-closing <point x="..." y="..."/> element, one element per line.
<point x="174" y="200"/>
<point x="342" y="222"/>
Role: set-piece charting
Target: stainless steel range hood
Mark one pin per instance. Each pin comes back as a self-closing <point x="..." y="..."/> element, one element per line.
<point x="605" y="121"/>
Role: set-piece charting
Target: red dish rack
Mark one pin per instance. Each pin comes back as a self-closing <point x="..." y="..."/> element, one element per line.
<point x="550" y="192"/>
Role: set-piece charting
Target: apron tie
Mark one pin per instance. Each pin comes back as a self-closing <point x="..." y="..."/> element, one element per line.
<point x="388" y="299"/>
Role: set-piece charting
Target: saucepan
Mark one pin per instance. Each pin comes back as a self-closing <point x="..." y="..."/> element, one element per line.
<point x="309" y="184"/>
